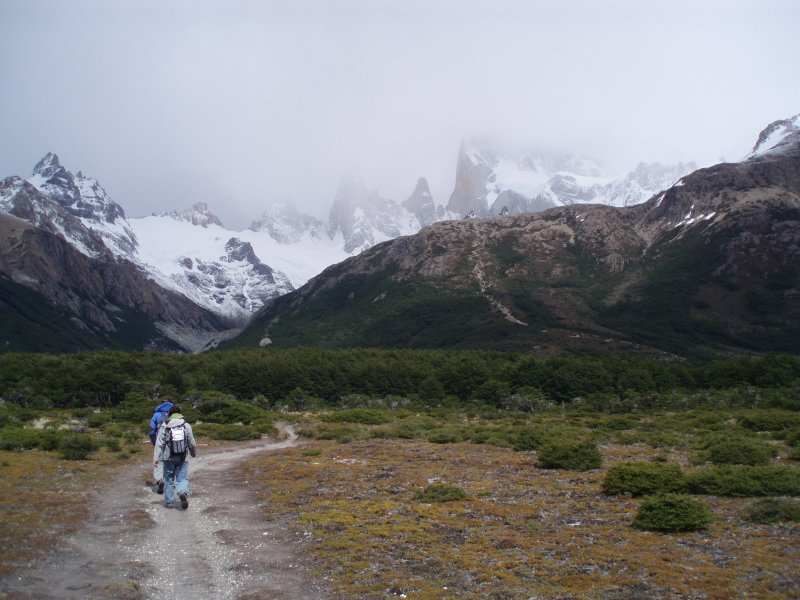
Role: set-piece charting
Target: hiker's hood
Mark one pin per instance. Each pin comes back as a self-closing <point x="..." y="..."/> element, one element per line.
<point x="163" y="407"/>
<point x="176" y="420"/>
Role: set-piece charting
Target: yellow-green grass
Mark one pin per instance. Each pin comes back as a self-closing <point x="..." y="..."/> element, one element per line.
<point x="520" y="532"/>
<point x="44" y="497"/>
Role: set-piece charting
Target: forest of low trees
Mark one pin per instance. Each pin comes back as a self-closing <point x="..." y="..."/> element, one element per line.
<point x="313" y="378"/>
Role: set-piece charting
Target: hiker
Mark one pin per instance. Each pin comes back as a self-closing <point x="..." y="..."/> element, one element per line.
<point x="159" y="417"/>
<point x="174" y="441"/>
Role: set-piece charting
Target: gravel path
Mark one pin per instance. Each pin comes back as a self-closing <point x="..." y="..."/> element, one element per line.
<point x="133" y="547"/>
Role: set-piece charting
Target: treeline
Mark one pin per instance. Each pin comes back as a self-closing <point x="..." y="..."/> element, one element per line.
<point x="313" y="378"/>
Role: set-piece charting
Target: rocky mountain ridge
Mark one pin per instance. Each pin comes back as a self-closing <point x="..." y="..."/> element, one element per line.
<point x="708" y="266"/>
<point x="97" y="301"/>
<point x="189" y="263"/>
<point x="491" y="183"/>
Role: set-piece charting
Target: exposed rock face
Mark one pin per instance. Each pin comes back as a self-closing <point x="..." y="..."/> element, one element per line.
<point x="84" y="198"/>
<point x="364" y="218"/>
<point x="198" y="215"/>
<point x="286" y="225"/>
<point x="777" y="136"/>
<point x="473" y="172"/>
<point x="420" y="203"/>
<point x="21" y="199"/>
<point x="110" y="299"/>
<point x="710" y="265"/>
<point x="173" y="308"/>
<point x="489" y="183"/>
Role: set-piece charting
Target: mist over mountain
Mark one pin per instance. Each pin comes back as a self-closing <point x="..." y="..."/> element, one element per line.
<point x="216" y="278"/>
<point x="490" y="183"/>
<point x="707" y="266"/>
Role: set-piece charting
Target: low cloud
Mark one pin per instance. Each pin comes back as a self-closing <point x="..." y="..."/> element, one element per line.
<point x="239" y="104"/>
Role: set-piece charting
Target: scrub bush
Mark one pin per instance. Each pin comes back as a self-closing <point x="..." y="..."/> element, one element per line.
<point x="793" y="438"/>
<point x="672" y="513"/>
<point x="445" y="436"/>
<point x="774" y="510"/>
<point x="365" y="416"/>
<point x="739" y="451"/>
<point x="770" y="420"/>
<point x="744" y="481"/>
<point x="573" y="455"/>
<point x="19" y="438"/>
<point x="644" y="478"/>
<point x="527" y="439"/>
<point x="226" y="432"/>
<point x="343" y="435"/>
<point x="440" y="493"/>
<point x="76" y="446"/>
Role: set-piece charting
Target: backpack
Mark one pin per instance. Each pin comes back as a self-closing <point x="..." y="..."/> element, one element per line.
<point x="176" y="441"/>
<point x="159" y="417"/>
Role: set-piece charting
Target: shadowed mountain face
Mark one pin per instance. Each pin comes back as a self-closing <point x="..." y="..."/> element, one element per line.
<point x="57" y="299"/>
<point x="710" y="266"/>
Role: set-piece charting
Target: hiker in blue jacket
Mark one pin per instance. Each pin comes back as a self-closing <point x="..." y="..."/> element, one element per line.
<point x="174" y="444"/>
<point x="159" y="416"/>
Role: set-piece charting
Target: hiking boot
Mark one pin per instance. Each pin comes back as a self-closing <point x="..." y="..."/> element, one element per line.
<point x="184" y="501"/>
<point x="160" y="489"/>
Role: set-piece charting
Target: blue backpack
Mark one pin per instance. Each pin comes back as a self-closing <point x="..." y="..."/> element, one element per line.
<point x="159" y="416"/>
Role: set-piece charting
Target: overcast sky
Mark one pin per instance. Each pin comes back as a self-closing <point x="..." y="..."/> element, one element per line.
<point x="240" y="103"/>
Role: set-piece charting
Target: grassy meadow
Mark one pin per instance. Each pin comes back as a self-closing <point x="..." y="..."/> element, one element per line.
<point x="463" y="475"/>
<point x="444" y="506"/>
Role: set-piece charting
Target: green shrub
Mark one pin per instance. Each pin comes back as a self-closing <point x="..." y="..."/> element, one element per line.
<point x="220" y="408"/>
<point x="343" y="435"/>
<point x="794" y="454"/>
<point x="365" y="416"/>
<point x="774" y="510"/>
<point x="423" y="422"/>
<point x="745" y="480"/>
<point x="19" y="438"/>
<point x="265" y="425"/>
<point x="620" y="423"/>
<point x="76" y="446"/>
<point x="672" y="513"/>
<point x="573" y="455"/>
<point x="96" y="419"/>
<point x="112" y="444"/>
<point x="493" y="435"/>
<point x="644" y="478"/>
<point x="445" y="436"/>
<point x="739" y="451"/>
<point x="793" y="438"/>
<point x="236" y="433"/>
<point x="527" y="439"/>
<point x="440" y="493"/>
<point x="770" y="420"/>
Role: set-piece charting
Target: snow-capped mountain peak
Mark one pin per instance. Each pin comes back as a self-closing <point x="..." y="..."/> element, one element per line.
<point x="189" y="252"/>
<point x="48" y="166"/>
<point x="286" y="225"/>
<point x="776" y="137"/>
<point x="490" y="182"/>
<point x="363" y="218"/>
<point x="198" y="215"/>
<point x="84" y="198"/>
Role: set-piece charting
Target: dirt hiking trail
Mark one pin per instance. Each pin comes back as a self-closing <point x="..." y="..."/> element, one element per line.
<point x="133" y="547"/>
